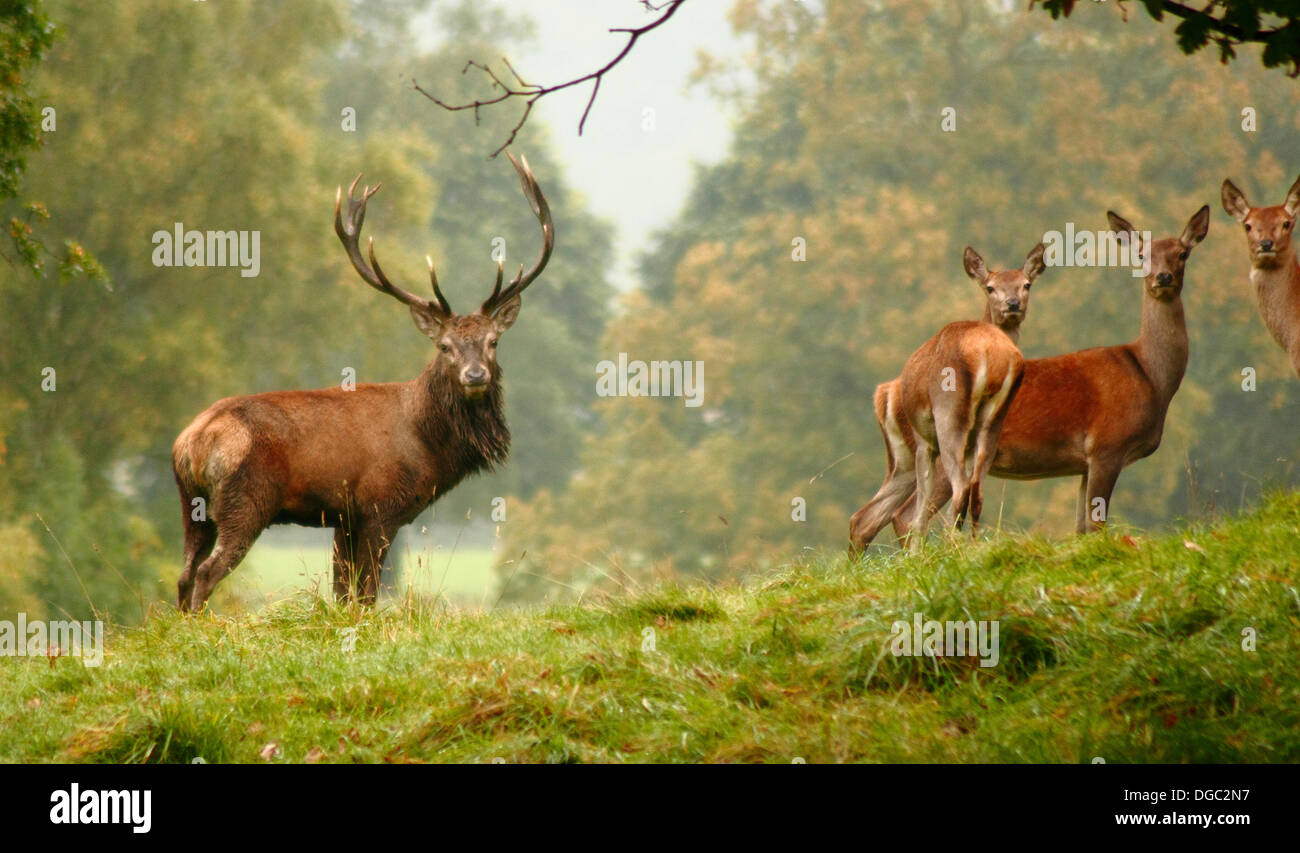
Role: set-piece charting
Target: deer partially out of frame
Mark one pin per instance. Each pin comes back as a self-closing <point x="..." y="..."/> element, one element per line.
<point x="1006" y="306"/>
<point x="1096" y="411"/>
<point x="1274" y="270"/>
<point x="364" y="461"/>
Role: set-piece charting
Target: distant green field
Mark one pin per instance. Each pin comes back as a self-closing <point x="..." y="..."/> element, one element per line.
<point x="274" y="572"/>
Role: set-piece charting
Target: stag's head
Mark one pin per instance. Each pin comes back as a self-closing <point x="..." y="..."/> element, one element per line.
<point x="1164" y="260"/>
<point x="1007" y="291"/>
<point x="1268" y="229"/>
<point x="467" y="343"/>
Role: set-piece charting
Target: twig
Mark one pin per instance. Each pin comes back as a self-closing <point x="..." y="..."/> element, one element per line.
<point x="533" y="92"/>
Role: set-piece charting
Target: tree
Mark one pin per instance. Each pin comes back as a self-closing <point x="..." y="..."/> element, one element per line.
<point x="1227" y="24"/>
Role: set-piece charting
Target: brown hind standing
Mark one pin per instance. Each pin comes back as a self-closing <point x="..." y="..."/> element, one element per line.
<point x="1006" y="305"/>
<point x="1274" y="270"/>
<point x="1096" y="411"/>
<point x="955" y="391"/>
<point x="364" y="461"/>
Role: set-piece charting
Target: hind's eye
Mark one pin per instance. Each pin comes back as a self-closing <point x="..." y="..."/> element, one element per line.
<point x="493" y="343"/>
<point x="444" y="347"/>
<point x="1183" y="256"/>
<point x="1247" y="227"/>
<point x="1286" y="225"/>
<point x="990" y="290"/>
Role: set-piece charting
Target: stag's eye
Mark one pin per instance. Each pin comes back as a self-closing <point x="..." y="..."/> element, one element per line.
<point x="1183" y="256"/>
<point x="1286" y="226"/>
<point x="989" y="289"/>
<point x="492" y="343"/>
<point x="446" y="348"/>
<point x="1247" y="227"/>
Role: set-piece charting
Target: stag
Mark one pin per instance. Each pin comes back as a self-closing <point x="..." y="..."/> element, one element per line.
<point x="365" y="461"/>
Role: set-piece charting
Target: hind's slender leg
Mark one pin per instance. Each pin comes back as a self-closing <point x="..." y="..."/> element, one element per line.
<point x="925" y="465"/>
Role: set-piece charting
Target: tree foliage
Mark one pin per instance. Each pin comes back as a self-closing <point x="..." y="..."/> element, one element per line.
<point x="1226" y="24"/>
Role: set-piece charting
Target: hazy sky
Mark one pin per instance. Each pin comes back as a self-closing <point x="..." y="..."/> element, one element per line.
<point x="636" y="179"/>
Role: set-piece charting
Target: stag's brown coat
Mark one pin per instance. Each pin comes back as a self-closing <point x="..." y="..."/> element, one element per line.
<point x="364" y="461"/>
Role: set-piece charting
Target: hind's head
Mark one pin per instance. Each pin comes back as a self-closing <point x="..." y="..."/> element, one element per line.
<point x="1006" y="291"/>
<point x="1268" y="229"/>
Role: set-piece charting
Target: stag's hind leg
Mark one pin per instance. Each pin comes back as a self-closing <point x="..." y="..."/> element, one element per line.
<point x="200" y="537"/>
<point x="238" y="526"/>
<point x="232" y="545"/>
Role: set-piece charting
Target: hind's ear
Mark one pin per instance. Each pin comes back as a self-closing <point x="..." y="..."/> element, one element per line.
<point x="1292" y="203"/>
<point x="1120" y="225"/>
<point x="974" y="265"/>
<point x="1234" y="200"/>
<point x="1197" y="227"/>
<point x="1034" y="264"/>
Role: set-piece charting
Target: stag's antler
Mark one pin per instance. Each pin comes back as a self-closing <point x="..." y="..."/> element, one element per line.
<point x="542" y="211"/>
<point x="349" y="232"/>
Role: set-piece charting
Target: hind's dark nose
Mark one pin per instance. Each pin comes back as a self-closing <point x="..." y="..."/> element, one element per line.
<point x="1013" y="305"/>
<point x="1266" y="245"/>
<point x="1165" y="278"/>
<point x="475" y="376"/>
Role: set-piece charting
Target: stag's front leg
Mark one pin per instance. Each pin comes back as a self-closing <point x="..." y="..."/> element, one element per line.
<point x="373" y="541"/>
<point x="343" y="564"/>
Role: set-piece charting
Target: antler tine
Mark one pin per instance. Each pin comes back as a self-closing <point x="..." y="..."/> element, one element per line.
<point x="349" y="233"/>
<point x="496" y="288"/>
<point x="537" y="201"/>
<point x="437" y="291"/>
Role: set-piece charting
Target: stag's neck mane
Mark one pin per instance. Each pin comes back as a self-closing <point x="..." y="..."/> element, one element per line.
<point x="468" y="435"/>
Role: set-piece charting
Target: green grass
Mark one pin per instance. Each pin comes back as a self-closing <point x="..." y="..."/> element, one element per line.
<point x="1115" y="646"/>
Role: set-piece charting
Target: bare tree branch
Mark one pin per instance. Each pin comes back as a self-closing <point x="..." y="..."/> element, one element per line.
<point x="532" y="92"/>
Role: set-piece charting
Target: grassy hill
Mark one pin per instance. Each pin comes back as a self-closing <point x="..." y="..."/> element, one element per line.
<point x="1114" y="646"/>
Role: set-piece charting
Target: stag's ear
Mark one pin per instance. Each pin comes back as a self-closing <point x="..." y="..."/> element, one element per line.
<point x="1034" y="265"/>
<point x="974" y="265"/>
<point x="1197" y="227"/>
<point x="506" y="315"/>
<point x="428" y="322"/>
<point x="1292" y="203"/>
<point x="1234" y="201"/>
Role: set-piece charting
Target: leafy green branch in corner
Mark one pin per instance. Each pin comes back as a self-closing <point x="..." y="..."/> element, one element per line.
<point x="1275" y="24"/>
<point x="26" y="34"/>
